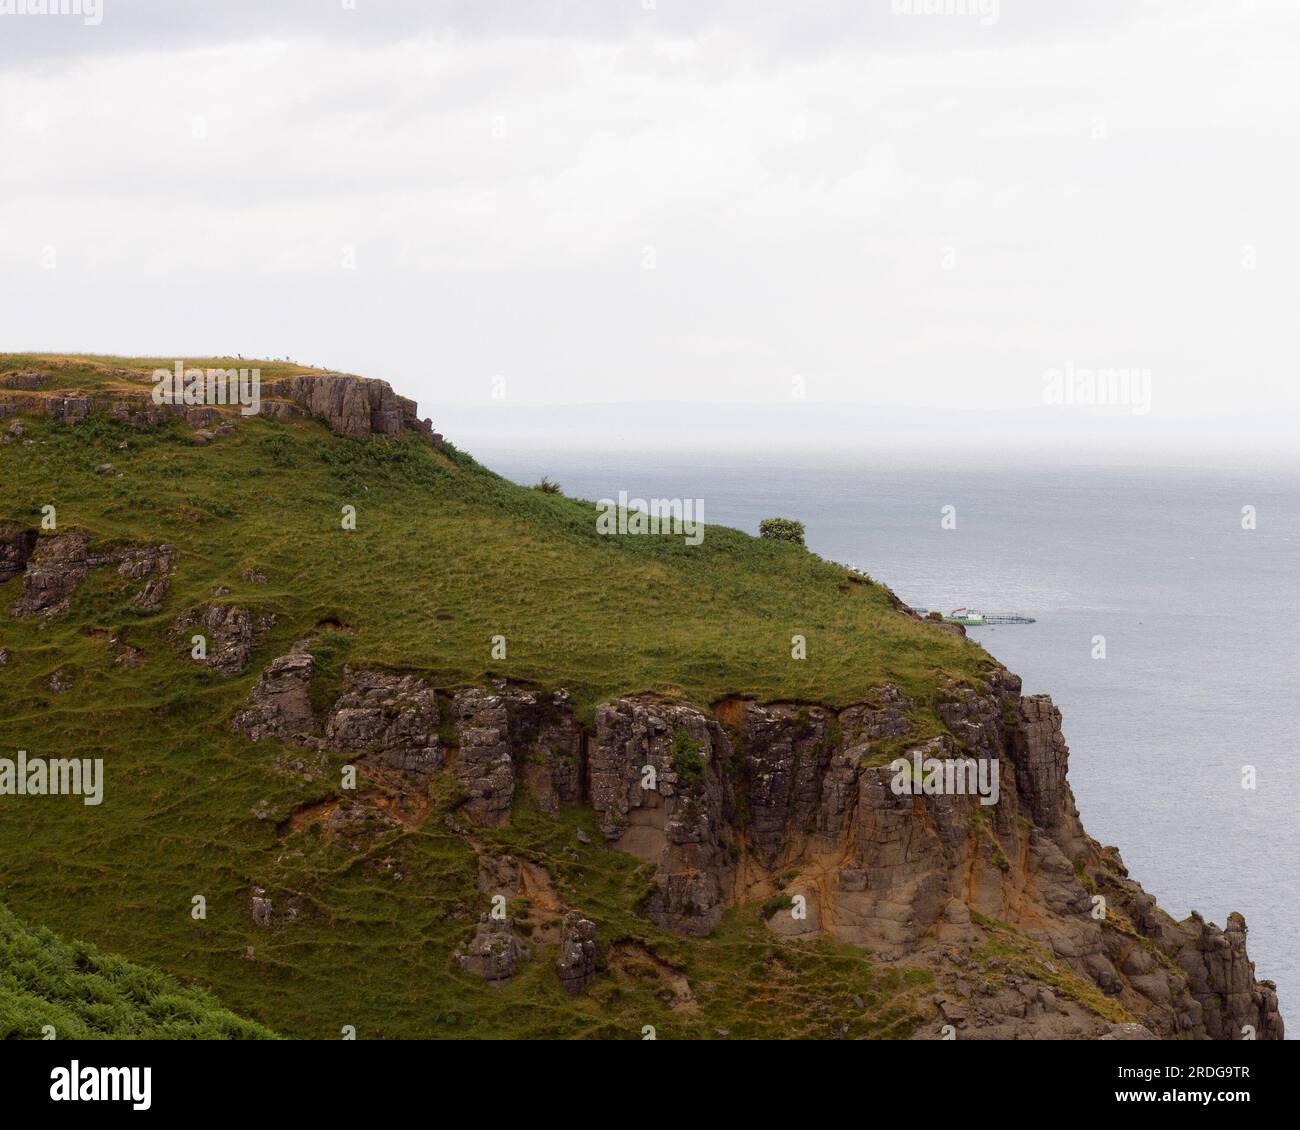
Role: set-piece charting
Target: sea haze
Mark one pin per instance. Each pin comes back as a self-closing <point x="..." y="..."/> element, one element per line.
<point x="1197" y="615"/>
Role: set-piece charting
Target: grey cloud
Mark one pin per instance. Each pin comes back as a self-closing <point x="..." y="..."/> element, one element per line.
<point x="776" y="30"/>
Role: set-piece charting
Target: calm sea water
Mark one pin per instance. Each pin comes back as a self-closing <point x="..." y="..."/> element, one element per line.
<point x="1202" y="650"/>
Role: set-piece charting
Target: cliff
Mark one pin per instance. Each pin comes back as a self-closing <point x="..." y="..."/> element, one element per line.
<point x="642" y="812"/>
<point x="795" y="800"/>
<point x="68" y="392"/>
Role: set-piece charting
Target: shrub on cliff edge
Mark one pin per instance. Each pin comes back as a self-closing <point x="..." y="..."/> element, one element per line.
<point x="781" y="529"/>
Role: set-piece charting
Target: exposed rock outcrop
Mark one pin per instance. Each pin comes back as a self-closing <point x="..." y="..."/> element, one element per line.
<point x="351" y="405"/>
<point x="134" y="408"/>
<point x="494" y="953"/>
<point x="263" y="912"/>
<point x="229" y="632"/>
<point x="1197" y="972"/>
<point x="803" y="792"/>
<point x="154" y="567"/>
<point x="261" y="907"/>
<point x="656" y="782"/>
<point x="787" y="752"/>
<point x="550" y="741"/>
<point x="281" y="703"/>
<point x="484" y="766"/>
<point x="1221" y="977"/>
<point x="800" y="808"/>
<point x="27" y="379"/>
<point x="58" y="563"/>
<point x="577" y="962"/>
<point x="392" y="714"/>
<point x="16" y="545"/>
<point x="1041" y="758"/>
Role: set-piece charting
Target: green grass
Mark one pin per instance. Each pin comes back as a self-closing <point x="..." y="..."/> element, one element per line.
<point x="446" y="555"/>
<point x="91" y="373"/>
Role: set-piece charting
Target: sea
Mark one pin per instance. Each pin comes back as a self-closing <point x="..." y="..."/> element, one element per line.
<point x="1164" y="600"/>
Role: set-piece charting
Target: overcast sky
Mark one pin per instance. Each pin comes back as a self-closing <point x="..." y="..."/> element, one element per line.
<point x="671" y="200"/>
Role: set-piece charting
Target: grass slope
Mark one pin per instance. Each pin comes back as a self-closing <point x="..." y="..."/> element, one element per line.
<point x="445" y="556"/>
<point x="82" y="994"/>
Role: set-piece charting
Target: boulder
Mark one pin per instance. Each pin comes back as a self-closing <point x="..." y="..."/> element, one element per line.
<point x="261" y="907"/>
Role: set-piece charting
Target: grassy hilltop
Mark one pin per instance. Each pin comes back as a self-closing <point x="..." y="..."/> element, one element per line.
<point x="445" y="556"/>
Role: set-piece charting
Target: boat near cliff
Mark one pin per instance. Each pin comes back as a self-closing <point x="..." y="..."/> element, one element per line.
<point x="973" y="618"/>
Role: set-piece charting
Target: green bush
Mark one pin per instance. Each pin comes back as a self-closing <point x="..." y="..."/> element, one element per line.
<point x="781" y="529"/>
<point x="775" y="905"/>
<point x="278" y="448"/>
<point x="83" y="994"/>
<point x="688" y="763"/>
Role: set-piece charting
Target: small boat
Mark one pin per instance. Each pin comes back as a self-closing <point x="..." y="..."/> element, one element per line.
<point x="975" y="618"/>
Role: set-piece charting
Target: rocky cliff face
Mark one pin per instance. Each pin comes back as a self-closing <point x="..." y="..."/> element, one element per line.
<point x="1031" y="928"/>
<point x="352" y="406"/>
